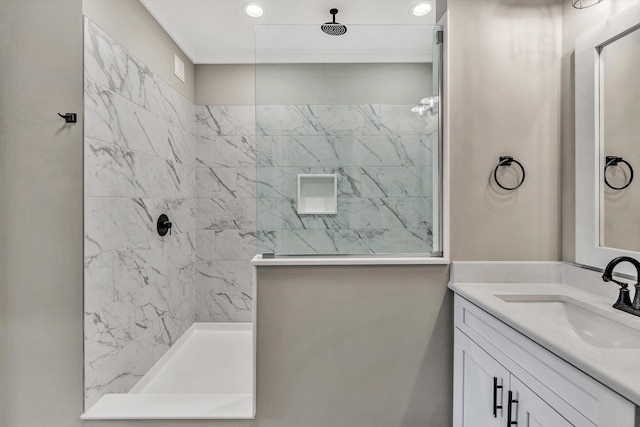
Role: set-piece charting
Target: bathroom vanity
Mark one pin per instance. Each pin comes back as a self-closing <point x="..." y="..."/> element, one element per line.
<point x="543" y="355"/>
<point x="548" y="351"/>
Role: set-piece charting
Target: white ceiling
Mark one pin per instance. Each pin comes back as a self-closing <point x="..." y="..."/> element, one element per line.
<point x="218" y="31"/>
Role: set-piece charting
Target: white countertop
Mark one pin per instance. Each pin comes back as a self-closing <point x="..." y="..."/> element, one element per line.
<point x="618" y="369"/>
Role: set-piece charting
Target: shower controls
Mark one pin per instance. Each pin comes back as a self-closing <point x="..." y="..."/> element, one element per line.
<point x="164" y="225"/>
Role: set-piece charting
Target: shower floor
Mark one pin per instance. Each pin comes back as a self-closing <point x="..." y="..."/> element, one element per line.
<point x="207" y="374"/>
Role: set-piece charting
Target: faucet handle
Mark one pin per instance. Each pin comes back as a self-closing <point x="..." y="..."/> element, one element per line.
<point x="622" y="284"/>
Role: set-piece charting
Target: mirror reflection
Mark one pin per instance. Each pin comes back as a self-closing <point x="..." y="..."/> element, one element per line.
<point x="619" y="151"/>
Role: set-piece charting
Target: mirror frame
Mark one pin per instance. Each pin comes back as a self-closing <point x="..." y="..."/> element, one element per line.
<point x="588" y="139"/>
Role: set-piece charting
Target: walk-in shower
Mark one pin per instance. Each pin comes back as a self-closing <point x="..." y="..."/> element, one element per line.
<point x="333" y="159"/>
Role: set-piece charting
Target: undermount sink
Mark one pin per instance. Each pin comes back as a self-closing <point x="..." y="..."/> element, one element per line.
<point x="589" y="323"/>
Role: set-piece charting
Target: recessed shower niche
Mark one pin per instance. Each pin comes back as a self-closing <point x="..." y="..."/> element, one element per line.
<point x="317" y="194"/>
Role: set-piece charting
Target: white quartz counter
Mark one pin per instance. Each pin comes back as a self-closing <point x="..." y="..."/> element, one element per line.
<point x="617" y="368"/>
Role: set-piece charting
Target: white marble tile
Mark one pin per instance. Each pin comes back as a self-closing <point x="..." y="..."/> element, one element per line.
<point x="396" y="181"/>
<point x="323" y="151"/>
<point x="105" y="61"/>
<point x="400" y="120"/>
<point x="112" y="223"/>
<point x="147" y="133"/>
<point x="235" y="151"/>
<point x="98" y="282"/>
<point x="205" y="151"/>
<point x="137" y="267"/>
<point x="226" y="183"/>
<point x="118" y="370"/>
<point x="270" y="151"/>
<point x="268" y="241"/>
<point x="106" y="115"/>
<point x="181" y="250"/>
<point x="205" y="245"/>
<point x="139" y="287"/>
<point x="270" y="214"/>
<point x="109" y="64"/>
<point x="390" y="150"/>
<point x="222" y="120"/>
<point x="108" y="330"/>
<point x="232" y="245"/>
<point x="109" y="170"/>
<point x="158" y="177"/>
<point x="397" y="241"/>
<point x="270" y="182"/>
<point x="214" y="214"/>
<point x="181" y="213"/>
<point x="223" y="291"/>
<point x="410" y="213"/>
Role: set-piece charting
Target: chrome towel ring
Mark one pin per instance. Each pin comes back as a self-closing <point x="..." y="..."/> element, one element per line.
<point x="615" y="161"/>
<point x="507" y="161"/>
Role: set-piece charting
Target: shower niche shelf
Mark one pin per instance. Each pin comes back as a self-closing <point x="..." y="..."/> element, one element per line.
<point x="317" y="194"/>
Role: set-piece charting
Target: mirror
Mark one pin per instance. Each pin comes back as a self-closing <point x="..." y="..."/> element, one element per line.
<point x="620" y="99"/>
<point x="607" y="58"/>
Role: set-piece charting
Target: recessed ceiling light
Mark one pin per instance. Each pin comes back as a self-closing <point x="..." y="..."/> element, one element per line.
<point x="421" y="9"/>
<point x="253" y="10"/>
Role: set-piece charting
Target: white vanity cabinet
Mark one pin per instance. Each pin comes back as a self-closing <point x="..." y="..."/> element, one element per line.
<point x="492" y="362"/>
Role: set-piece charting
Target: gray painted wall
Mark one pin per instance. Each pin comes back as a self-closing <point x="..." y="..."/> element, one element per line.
<point x="505" y="100"/>
<point x="283" y="84"/>
<point x="131" y="24"/>
<point x="41" y="211"/>
<point x="225" y="84"/>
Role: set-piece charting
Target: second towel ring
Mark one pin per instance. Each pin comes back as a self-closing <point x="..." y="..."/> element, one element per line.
<point x="508" y="161"/>
<point x="614" y="161"/>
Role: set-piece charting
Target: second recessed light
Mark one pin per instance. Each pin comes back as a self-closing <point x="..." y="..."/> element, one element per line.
<point x="253" y="10"/>
<point x="421" y="9"/>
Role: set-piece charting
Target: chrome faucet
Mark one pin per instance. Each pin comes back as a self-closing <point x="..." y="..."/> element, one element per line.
<point x="624" y="301"/>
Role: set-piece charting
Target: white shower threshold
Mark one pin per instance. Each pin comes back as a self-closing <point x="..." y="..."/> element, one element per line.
<point x="209" y="373"/>
<point x="310" y="260"/>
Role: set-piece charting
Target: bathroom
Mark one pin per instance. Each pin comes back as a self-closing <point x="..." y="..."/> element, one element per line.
<point x="352" y="338"/>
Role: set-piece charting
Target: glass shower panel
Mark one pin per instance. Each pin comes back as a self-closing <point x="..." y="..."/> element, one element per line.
<point x="347" y="140"/>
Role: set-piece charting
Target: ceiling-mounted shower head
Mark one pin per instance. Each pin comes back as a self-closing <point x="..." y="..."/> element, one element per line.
<point x="334" y="28"/>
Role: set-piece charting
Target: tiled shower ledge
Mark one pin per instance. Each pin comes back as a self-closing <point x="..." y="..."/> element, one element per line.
<point x="259" y="261"/>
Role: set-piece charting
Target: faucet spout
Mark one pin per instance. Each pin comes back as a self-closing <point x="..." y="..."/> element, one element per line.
<point x="624" y="301"/>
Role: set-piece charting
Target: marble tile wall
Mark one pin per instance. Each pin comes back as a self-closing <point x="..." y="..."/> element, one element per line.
<point x="225" y="212"/>
<point x="246" y="179"/>
<point x="139" y="153"/>
<point x="382" y="155"/>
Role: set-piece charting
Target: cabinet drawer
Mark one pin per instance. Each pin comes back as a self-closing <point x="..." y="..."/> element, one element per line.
<point x="568" y="390"/>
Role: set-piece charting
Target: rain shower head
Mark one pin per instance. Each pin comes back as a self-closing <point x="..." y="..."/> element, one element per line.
<point x="334" y="28"/>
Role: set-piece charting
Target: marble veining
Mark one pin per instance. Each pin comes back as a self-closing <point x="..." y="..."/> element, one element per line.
<point x="140" y="161"/>
<point x="382" y="155"/>
<point x="226" y="185"/>
<point x="226" y="176"/>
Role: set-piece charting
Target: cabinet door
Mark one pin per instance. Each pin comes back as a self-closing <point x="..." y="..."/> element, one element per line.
<point x="480" y="386"/>
<point x="530" y="410"/>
